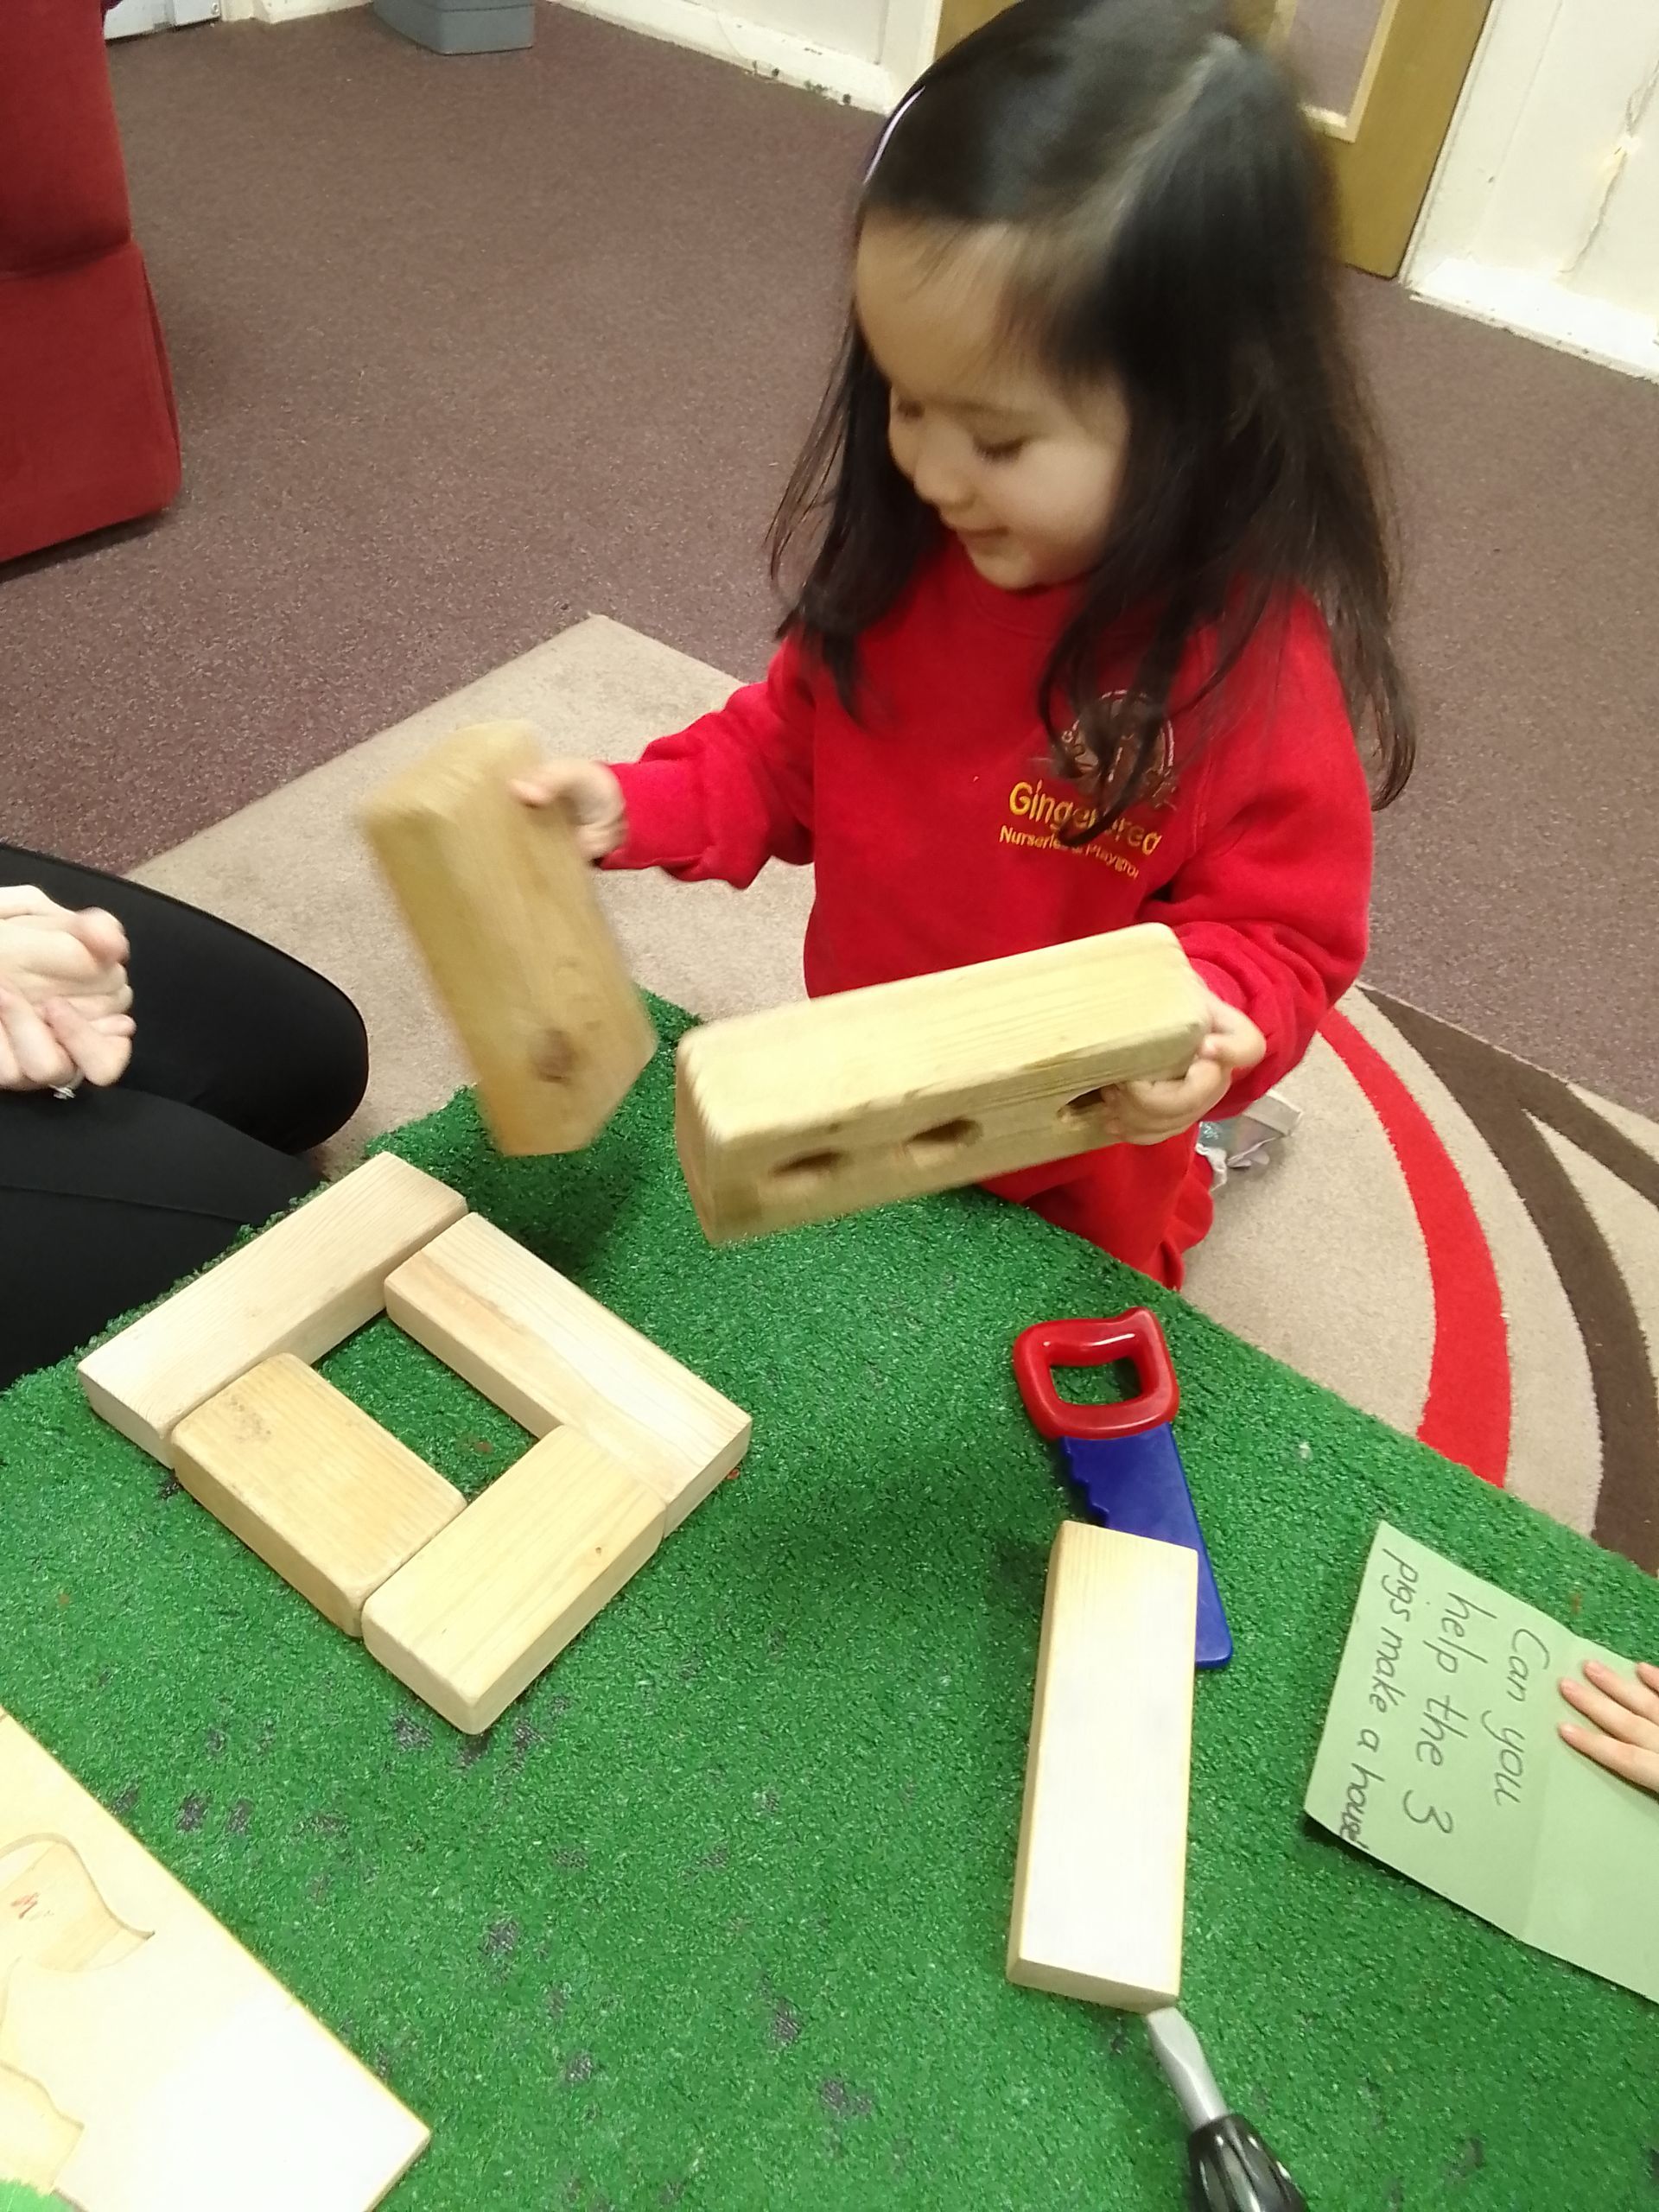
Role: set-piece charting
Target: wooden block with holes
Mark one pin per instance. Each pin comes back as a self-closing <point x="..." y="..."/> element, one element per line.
<point x="146" y="2059"/>
<point x="1100" y="1884"/>
<point x="502" y="905"/>
<point x="321" y="1492"/>
<point x="476" y="1615"/>
<point x="834" y="1104"/>
<point x="300" y="1287"/>
<point x="547" y="1354"/>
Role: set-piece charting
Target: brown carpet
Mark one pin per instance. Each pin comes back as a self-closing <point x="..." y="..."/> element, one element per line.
<point x="466" y="349"/>
<point x="1461" y="1245"/>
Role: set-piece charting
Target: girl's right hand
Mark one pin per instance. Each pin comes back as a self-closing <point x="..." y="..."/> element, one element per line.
<point x="1624" y="1737"/>
<point x="590" y="795"/>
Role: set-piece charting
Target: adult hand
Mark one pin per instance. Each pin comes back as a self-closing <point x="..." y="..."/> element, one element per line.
<point x="1150" y="1113"/>
<point x="590" y="795"/>
<point x="48" y="951"/>
<point x="46" y="1047"/>
<point x="1625" y="1737"/>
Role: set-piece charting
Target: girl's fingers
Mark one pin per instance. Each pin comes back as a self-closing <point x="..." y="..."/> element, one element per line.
<point x="1611" y="1714"/>
<point x="1633" y="1696"/>
<point x="1650" y="1674"/>
<point x="1164" y="1108"/>
<point x="591" y="796"/>
<point x="577" y="782"/>
<point x="1623" y="1759"/>
<point x="1234" y="1041"/>
<point x="538" y="790"/>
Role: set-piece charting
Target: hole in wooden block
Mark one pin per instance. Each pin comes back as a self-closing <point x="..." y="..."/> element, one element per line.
<point x="809" y="1171"/>
<point x="1085" y="1105"/>
<point x="932" y="1147"/>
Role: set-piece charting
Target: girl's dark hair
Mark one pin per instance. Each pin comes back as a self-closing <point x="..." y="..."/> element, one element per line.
<point x="1170" y="227"/>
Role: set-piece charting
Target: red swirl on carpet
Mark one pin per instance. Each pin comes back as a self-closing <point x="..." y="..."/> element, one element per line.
<point x="1467" y="1414"/>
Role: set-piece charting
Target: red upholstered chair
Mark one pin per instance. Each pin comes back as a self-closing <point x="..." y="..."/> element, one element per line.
<point x="88" y="433"/>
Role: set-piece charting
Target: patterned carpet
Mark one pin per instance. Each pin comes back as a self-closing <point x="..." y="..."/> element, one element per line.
<point x="1468" y="1246"/>
<point x="1457" y="1242"/>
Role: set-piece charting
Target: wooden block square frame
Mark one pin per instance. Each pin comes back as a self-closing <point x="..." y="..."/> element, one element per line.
<point x="465" y="1603"/>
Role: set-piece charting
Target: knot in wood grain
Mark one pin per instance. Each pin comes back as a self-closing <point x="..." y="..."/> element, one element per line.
<point x="554" y="1056"/>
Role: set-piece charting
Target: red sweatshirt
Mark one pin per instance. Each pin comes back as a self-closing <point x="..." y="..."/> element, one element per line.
<point x="932" y="818"/>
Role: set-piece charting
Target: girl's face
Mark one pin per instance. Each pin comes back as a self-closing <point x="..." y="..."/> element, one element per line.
<point x="1025" y="474"/>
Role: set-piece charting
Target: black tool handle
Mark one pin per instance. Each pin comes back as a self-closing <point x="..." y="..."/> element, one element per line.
<point x="1233" y="2170"/>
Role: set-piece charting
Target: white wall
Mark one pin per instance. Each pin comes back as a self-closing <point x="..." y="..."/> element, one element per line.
<point x="1544" y="212"/>
<point x="280" y="11"/>
<point x="127" y="18"/>
<point x="864" y="52"/>
<point x="861" y="51"/>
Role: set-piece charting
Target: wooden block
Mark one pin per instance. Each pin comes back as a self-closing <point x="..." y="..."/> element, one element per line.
<point x="502" y="905"/>
<point x="833" y="1104"/>
<point x="301" y="1285"/>
<point x="474" y="1618"/>
<point x="1101" y="1883"/>
<point x="147" y="2063"/>
<point x="322" y="1493"/>
<point x="546" y="1353"/>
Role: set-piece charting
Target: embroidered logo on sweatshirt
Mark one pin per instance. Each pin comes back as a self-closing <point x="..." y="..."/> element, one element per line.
<point x="1038" y="814"/>
<point x="1043" y="809"/>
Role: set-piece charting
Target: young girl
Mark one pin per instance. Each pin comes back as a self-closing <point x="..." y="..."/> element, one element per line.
<point x="1096" y="594"/>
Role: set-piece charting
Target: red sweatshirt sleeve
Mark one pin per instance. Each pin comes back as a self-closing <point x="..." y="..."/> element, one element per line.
<point x="734" y="791"/>
<point x="1272" y="907"/>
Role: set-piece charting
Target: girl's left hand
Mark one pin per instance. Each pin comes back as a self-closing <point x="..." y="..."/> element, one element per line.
<point x="1150" y="1113"/>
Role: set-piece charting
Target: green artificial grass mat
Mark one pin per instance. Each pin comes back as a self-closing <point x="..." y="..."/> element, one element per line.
<point x="715" y="1916"/>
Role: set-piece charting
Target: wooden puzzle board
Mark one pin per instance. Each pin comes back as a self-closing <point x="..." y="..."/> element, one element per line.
<point x="148" y="2062"/>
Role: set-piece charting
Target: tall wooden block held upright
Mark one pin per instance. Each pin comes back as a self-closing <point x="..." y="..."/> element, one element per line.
<point x="828" y="1106"/>
<point x="502" y="905"/>
<point x="1100" y="1886"/>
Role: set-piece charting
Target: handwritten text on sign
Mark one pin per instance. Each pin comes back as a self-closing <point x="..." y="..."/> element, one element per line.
<point x="1440" y="1756"/>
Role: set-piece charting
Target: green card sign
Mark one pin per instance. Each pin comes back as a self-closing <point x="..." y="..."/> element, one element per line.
<point x="1440" y="1758"/>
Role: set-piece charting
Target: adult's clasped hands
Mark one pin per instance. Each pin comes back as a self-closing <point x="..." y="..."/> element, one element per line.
<point x="65" y="999"/>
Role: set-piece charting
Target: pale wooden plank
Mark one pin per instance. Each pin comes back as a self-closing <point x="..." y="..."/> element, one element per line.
<point x="151" y="2064"/>
<point x="1100" y="1884"/>
<point x="476" y="1616"/>
<point x="300" y="1286"/>
<point x="547" y="1354"/>
<point x="502" y="905"/>
<point x="306" y="1479"/>
<point x="826" y="1106"/>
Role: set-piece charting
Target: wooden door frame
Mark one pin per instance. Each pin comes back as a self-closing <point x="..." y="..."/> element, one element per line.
<point x="1382" y="152"/>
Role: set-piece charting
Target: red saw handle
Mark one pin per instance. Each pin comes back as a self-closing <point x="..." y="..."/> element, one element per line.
<point x="1134" y="1336"/>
